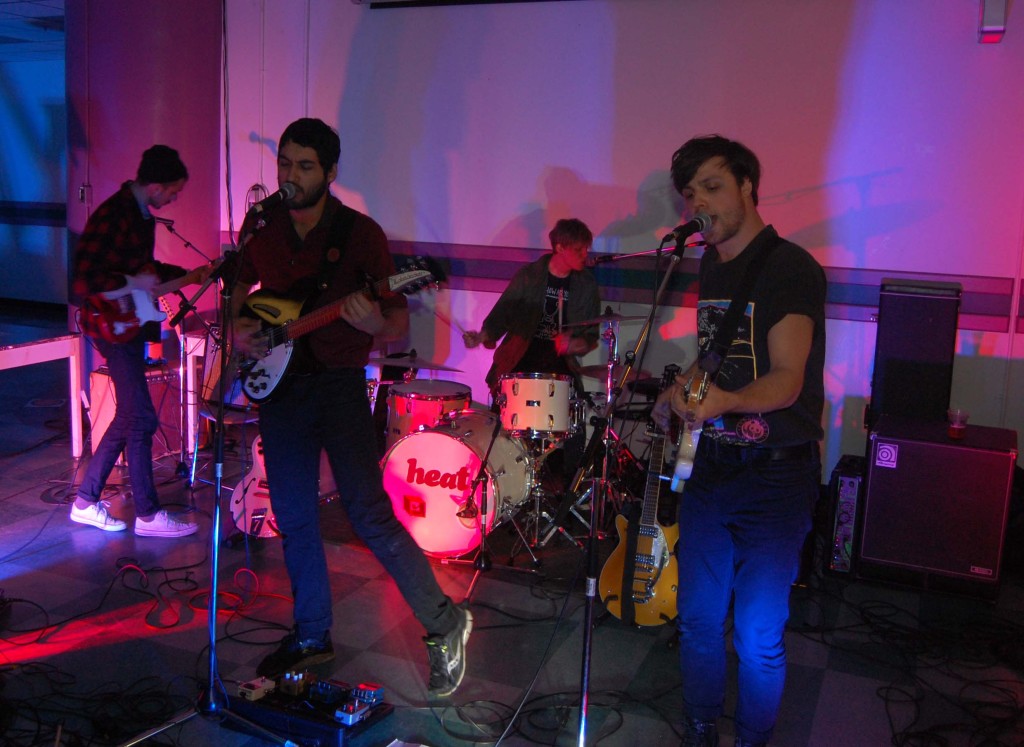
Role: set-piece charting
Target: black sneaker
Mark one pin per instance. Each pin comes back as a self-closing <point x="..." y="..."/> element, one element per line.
<point x="698" y="733"/>
<point x="295" y="655"/>
<point x="448" y="657"/>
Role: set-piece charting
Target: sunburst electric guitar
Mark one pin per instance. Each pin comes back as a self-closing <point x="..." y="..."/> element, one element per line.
<point x="284" y="322"/>
<point x="644" y="573"/>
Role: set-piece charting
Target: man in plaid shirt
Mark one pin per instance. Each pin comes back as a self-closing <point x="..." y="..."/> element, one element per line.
<point x="118" y="240"/>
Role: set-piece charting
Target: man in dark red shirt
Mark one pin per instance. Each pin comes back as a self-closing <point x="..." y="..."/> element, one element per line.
<point x="118" y="241"/>
<point x="312" y="247"/>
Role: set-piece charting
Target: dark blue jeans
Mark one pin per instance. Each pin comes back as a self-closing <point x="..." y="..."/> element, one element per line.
<point x="131" y="430"/>
<point x="329" y="410"/>
<point x="743" y="518"/>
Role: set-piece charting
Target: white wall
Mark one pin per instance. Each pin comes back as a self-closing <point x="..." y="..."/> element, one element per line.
<point x="890" y="140"/>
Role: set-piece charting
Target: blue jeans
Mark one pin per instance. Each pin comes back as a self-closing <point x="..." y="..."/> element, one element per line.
<point x="329" y="410"/>
<point x="743" y="518"/>
<point x="131" y="430"/>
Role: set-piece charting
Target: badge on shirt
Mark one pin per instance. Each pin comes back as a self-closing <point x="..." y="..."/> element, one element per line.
<point x="752" y="429"/>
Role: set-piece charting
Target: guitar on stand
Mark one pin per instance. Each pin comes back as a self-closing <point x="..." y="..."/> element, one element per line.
<point x="639" y="580"/>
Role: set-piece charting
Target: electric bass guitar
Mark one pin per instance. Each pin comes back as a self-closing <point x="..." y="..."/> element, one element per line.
<point x="642" y="569"/>
<point x="284" y="322"/>
<point x="119" y="314"/>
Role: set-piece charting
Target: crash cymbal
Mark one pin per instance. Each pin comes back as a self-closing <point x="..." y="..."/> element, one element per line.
<point x="419" y="363"/>
<point x="607" y="316"/>
<point x="599" y="372"/>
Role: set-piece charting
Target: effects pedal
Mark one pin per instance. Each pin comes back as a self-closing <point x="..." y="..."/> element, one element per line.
<point x="309" y="710"/>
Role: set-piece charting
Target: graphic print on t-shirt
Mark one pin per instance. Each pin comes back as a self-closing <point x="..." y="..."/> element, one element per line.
<point x="738" y="369"/>
<point x="556" y="301"/>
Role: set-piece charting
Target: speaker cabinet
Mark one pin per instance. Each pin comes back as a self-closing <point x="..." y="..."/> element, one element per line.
<point x="914" y="348"/>
<point x="935" y="508"/>
<point x="163" y="390"/>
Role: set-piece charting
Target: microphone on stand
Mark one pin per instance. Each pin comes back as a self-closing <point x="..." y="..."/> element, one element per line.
<point x="701" y="222"/>
<point x="166" y="221"/>
<point x="286" y="192"/>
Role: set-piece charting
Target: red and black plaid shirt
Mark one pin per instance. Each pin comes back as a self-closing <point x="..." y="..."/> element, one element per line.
<point x="118" y="240"/>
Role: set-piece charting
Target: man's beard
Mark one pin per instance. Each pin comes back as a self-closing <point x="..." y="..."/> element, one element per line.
<point x="310" y="199"/>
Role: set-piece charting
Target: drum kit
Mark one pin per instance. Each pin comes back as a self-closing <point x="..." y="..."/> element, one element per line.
<point x="442" y="452"/>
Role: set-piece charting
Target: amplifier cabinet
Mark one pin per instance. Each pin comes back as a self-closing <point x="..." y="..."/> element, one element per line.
<point x="163" y="390"/>
<point x="935" y="508"/>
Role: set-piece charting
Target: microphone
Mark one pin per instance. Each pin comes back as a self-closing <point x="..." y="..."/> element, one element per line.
<point x="286" y="192"/>
<point x="166" y="221"/>
<point x="701" y="222"/>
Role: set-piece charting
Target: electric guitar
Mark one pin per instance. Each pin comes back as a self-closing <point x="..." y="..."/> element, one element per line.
<point x="646" y="574"/>
<point x="250" y="500"/>
<point x="283" y="323"/>
<point x="689" y="434"/>
<point x="119" y="314"/>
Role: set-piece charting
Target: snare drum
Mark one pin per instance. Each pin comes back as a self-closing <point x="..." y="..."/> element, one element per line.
<point x="429" y="476"/>
<point x="415" y="405"/>
<point x="536" y="405"/>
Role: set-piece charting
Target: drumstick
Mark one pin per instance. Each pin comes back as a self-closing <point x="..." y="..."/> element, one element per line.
<point x="447" y="320"/>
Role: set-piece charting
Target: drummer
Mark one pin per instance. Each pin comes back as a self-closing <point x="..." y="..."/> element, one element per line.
<point x="532" y="317"/>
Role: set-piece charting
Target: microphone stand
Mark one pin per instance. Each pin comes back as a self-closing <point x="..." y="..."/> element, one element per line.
<point x="211" y="701"/>
<point x="181" y="470"/>
<point x="601" y="425"/>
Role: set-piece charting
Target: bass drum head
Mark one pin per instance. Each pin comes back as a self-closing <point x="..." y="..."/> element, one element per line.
<point x="429" y="478"/>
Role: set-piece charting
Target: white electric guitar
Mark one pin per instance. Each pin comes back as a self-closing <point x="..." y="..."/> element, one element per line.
<point x="283" y="323"/>
<point x="689" y="432"/>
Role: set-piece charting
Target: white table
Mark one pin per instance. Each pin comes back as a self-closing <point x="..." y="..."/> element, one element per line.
<point x="52" y="349"/>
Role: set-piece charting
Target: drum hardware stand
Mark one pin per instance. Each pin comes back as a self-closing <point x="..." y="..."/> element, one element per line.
<point x="481" y="562"/>
<point x="600" y="433"/>
<point x="211" y="699"/>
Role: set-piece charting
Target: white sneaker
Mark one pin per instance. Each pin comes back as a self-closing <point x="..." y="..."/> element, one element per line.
<point x="97" y="515"/>
<point x="162" y="524"/>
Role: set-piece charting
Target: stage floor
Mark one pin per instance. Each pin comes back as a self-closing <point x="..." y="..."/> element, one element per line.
<point x="104" y="635"/>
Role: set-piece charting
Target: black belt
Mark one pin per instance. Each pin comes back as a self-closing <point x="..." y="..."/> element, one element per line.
<point x="733" y="452"/>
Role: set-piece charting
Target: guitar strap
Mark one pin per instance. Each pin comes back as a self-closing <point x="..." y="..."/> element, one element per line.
<point x="337" y="242"/>
<point x="628" y="605"/>
<point x="711" y="360"/>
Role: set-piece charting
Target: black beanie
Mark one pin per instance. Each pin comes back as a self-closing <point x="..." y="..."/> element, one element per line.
<point x="161" y="165"/>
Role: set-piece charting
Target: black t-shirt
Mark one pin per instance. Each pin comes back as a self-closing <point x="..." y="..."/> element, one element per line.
<point x="541" y="357"/>
<point x="790" y="282"/>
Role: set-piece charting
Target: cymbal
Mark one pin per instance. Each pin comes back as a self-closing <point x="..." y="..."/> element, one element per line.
<point x="601" y="371"/>
<point x="419" y="363"/>
<point x="608" y="316"/>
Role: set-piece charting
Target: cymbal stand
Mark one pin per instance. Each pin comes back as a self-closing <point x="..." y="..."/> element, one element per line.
<point x="592" y="570"/>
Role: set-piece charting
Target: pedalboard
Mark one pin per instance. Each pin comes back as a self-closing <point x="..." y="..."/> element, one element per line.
<point x="309" y="710"/>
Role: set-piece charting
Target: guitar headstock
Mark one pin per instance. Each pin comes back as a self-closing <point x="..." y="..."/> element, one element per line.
<point x="415" y="274"/>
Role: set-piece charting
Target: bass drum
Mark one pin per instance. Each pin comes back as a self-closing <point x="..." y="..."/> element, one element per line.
<point x="429" y="477"/>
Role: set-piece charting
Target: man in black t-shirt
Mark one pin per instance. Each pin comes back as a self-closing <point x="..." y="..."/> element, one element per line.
<point x="746" y="507"/>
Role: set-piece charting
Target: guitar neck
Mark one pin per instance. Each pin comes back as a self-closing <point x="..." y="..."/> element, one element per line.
<point x="652" y="491"/>
<point x="323" y="316"/>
